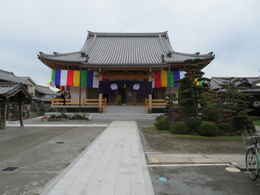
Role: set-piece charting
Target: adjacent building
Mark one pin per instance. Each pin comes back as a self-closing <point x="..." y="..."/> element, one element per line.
<point x="40" y="96"/>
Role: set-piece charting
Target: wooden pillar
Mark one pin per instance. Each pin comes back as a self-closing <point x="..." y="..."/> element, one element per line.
<point x="100" y="95"/>
<point x="21" y="113"/>
<point x="3" y="114"/>
<point x="150" y="97"/>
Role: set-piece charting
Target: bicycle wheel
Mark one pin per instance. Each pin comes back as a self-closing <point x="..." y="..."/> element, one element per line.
<point x="252" y="164"/>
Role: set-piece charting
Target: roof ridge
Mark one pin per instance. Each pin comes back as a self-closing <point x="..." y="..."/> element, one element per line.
<point x="4" y="71"/>
<point x="127" y="34"/>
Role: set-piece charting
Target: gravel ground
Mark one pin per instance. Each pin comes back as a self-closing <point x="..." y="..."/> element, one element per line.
<point x="40" y="154"/>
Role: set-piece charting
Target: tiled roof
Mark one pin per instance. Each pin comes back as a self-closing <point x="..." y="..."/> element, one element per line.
<point x="126" y="49"/>
<point x="9" y="91"/>
<point x="8" y="76"/>
<point x="217" y="82"/>
<point x="27" y="81"/>
<point x="44" y="90"/>
<point x="11" y="77"/>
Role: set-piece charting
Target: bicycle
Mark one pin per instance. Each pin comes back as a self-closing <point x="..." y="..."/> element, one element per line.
<point x="252" y="142"/>
<point x="253" y="157"/>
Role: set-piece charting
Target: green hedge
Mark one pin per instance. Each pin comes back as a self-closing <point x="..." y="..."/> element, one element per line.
<point x="162" y="122"/>
<point x="208" y="128"/>
<point x="193" y="124"/>
<point x="179" y="127"/>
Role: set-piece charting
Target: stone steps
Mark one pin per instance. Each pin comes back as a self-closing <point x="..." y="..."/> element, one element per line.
<point x="122" y="116"/>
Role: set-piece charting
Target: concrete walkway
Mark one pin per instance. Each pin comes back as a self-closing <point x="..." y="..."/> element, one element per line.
<point x="155" y="158"/>
<point x="114" y="164"/>
<point x="125" y="109"/>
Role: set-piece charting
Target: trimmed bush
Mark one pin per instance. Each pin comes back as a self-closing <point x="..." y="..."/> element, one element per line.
<point x="212" y="114"/>
<point x="225" y="128"/>
<point x="193" y="124"/>
<point x="175" y="113"/>
<point x="162" y="123"/>
<point x="179" y="127"/>
<point x="242" y="123"/>
<point x="208" y="128"/>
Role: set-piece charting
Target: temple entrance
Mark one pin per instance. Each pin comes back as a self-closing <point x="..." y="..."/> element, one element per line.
<point x="125" y="87"/>
<point x="125" y="95"/>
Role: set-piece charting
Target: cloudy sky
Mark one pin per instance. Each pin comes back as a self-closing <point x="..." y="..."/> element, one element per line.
<point x="231" y="29"/>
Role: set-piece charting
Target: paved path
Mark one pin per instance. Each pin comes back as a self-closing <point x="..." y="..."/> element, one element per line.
<point x="114" y="164"/>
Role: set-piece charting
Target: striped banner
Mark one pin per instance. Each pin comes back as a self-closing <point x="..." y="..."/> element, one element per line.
<point x="57" y="78"/>
<point x="74" y="78"/>
<point x="70" y="78"/>
<point x="90" y="79"/>
<point x="167" y="79"/>
<point x="84" y="78"/>
<point x="164" y="78"/>
<point x="63" y="79"/>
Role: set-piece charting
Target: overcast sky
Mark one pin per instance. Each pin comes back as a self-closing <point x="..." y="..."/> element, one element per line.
<point x="229" y="28"/>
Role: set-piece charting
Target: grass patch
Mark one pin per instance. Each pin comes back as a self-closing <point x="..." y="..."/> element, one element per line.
<point x="257" y="123"/>
<point x="153" y="129"/>
<point x="223" y="138"/>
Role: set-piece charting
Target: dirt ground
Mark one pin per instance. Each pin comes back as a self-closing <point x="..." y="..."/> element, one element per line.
<point x="163" y="141"/>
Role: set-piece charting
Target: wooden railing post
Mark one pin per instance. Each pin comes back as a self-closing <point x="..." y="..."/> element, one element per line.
<point x="150" y="100"/>
<point x="100" y="102"/>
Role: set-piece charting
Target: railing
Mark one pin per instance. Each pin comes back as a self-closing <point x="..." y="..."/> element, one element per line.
<point x="155" y="103"/>
<point x="91" y="103"/>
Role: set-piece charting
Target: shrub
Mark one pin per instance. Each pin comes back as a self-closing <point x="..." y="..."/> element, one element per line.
<point x="162" y="122"/>
<point x="193" y="124"/>
<point x="242" y="123"/>
<point x="175" y="113"/>
<point x="212" y="114"/>
<point x="179" y="127"/>
<point x="208" y="128"/>
<point x="225" y="128"/>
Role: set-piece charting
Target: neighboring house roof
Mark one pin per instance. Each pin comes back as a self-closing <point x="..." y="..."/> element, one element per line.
<point x="44" y="90"/>
<point x="8" y="76"/>
<point x="123" y="49"/>
<point x="7" y="92"/>
<point x="249" y="83"/>
<point x="11" y="77"/>
<point x="27" y="81"/>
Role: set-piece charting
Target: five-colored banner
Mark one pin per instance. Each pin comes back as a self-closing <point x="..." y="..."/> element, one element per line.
<point x="167" y="79"/>
<point x="90" y="79"/>
<point x="75" y="78"/>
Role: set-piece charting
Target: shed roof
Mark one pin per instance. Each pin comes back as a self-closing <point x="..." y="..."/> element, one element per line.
<point x="124" y="49"/>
